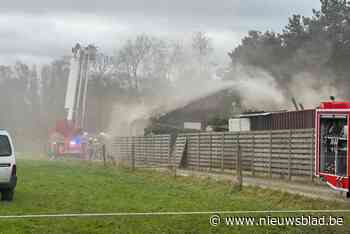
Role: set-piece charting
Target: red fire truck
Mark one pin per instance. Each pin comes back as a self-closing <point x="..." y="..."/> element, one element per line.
<point x="67" y="140"/>
<point x="68" y="137"/>
<point x="332" y="144"/>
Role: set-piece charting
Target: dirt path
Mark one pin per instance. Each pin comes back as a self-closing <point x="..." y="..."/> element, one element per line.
<point x="307" y="189"/>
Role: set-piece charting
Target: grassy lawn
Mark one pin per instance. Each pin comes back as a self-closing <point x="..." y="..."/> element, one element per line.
<point x="51" y="187"/>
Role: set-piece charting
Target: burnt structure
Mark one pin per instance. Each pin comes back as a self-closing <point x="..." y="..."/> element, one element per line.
<point x="201" y="110"/>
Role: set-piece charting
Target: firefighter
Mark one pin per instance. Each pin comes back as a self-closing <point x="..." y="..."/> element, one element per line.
<point x="90" y="148"/>
<point x="51" y="150"/>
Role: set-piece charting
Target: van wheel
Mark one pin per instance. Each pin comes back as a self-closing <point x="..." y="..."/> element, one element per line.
<point x="7" y="195"/>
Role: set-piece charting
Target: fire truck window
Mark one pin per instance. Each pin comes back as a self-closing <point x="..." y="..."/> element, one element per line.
<point x="333" y="144"/>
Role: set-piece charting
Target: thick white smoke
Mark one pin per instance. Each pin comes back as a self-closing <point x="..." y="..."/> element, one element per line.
<point x="259" y="90"/>
<point x="311" y="90"/>
<point x="132" y="118"/>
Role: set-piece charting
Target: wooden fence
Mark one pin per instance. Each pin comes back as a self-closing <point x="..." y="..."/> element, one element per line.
<point x="150" y="151"/>
<point x="285" y="153"/>
<point x="282" y="153"/>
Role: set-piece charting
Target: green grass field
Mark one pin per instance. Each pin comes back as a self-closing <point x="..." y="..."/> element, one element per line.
<point x="53" y="187"/>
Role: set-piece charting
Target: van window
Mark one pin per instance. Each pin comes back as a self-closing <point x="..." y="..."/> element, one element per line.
<point x="5" y="147"/>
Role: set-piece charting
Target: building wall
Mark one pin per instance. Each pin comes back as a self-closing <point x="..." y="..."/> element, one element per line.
<point x="284" y="120"/>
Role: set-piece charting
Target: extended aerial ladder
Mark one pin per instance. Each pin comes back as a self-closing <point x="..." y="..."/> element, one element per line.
<point x="68" y="138"/>
<point x="75" y="102"/>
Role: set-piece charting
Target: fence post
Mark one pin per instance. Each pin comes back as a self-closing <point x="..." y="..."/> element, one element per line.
<point x="222" y="151"/>
<point x="187" y="163"/>
<point x="144" y="151"/>
<point x="170" y="164"/>
<point x="210" y="152"/>
<point x="198" y="153"/>
<point x="153" y="151"/>
<point x="270" y="158"/>
<point x="128" y="150"/>
<point x="239" y="168"/>
<point x="237" y="149"/>
<point x="172" y="154"/>
<point x="132" y="153"/>
<point x="104" y="154"/>
<point x="237" y="152"/>
<point x="146" y="142"/>
<point x="290" y="156"/>
<point x="253" y="155"/>
<point x="312" y="155"/>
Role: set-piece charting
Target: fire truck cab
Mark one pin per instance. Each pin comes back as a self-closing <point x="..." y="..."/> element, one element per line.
<point x="332" y="144"/>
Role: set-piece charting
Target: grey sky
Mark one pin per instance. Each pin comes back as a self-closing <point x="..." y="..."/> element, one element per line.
<point x="40" y="30"/>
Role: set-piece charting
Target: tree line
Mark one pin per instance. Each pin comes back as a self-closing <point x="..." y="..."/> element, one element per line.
<point x="318" y="45"/>
<point x="147" y="69"/>
<point x="144" y="69"/>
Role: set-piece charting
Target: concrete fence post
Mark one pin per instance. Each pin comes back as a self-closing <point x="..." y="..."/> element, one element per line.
<point x="198" y="151"/>
<point x="222" y="151"/>
<point x="132" y="154"/>
<point x="210" y="152"/>
<point x="270" y="156"/>
<point x="253" y="155"/>
<point x="153" y="151"/>
<point x="104" y="154"/>
<point x="239" y="168"/>
<point x="170" y="163"/>
<point x="145" y="151"/>
<point x="290" y="155"/>
<point x="237" y="149"/>
<point x="171" y="144"/>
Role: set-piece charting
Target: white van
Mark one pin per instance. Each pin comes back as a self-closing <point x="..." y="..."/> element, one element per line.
<point x="8" y="177"/>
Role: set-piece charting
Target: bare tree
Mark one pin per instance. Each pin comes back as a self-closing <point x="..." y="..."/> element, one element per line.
<point x="201" y="44"/>
<point x="202" y="48"/>
<point x="131" y="55"/>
